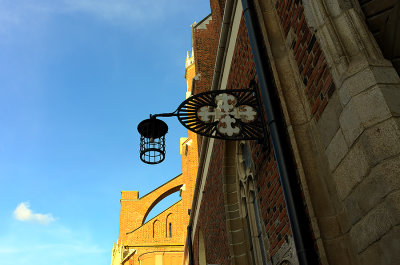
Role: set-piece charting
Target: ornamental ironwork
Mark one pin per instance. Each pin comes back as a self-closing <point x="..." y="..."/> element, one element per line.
<point x="226" y="114"/>
<point x="222" y="114"/>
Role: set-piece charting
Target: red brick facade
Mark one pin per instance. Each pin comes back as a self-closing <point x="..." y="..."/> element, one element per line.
<point x="319" y="87"/>
<point x="311" y="61"/>
<point x="212" y="213"/>
<point x="273" y="208"/>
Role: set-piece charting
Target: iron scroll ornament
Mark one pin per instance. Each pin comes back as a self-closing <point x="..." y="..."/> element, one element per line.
<point x="223" y="114"/>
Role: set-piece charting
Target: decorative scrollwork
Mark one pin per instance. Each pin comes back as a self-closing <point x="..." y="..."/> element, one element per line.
<point x="223" y="114"/>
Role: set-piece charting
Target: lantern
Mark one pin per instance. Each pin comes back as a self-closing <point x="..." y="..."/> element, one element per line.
<point x="152" y="140"/>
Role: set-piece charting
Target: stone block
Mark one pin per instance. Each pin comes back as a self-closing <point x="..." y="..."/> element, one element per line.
<point x="237" y="236"/>
<point x="229" y="179"/>
<point x="231" y="197"/>
<point x="344" y="221"/>
<point x="381" y="141"/>
<point x="377" y="222"/>
<point x="385" y="251"/>
<point x="390" y="245"/>
<point x="383" y="179"/>
<point x="363" y="111"/>
<point x="371" y="106"/>
<point x="372" y="255"/>
<point x="338" y="252"/>
<point x="336" y="150"/>
<point x="234" y="214"/>
<point x="229" y="187"/>
<point x="328" y="124"/>
<point x="229" y="170"/>
<point x="365" y="79"/>
<point x="235" y="223"/>
<point x="231" y="207"/>
<point x="242" y="259"/>
<point x="391" y="93"/>
<point x="330" y="226"/>
<point x="350" y="123"/>
<point x="353" y="168"/>
<point x="239" y="248"/>
<point x="397" y="120"/>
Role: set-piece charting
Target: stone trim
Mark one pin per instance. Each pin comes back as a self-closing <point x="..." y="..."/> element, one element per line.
<point x="367" y="132"/>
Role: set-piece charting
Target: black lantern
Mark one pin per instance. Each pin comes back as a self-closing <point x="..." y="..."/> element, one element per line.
<point x="152" y="140"/>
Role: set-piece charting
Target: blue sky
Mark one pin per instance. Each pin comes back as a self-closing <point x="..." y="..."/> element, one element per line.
<point x="76" y="77"/>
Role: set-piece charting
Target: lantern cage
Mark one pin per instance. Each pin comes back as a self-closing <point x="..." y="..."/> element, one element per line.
<point x="152" y="140"/>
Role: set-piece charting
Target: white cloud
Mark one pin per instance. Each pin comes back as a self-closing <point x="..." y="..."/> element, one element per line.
<point x="26" y="12"/>
<point x="23" y="213"/>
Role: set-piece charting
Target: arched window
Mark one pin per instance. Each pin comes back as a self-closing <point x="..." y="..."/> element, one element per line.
<point x="249" y="205"/>
<point x="156" y="229"/>
<point x="169" y="225"/>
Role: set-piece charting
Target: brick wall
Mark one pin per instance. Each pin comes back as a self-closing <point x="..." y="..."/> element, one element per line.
<point x="319" y="87"/>
<point x="153" y="236"/>
<point x="212" y="220"/>
<point x="272" y="204"/>
<point x="205" y="44"/>
<point x="134" y="209"/>
<point x="313" y="68"/>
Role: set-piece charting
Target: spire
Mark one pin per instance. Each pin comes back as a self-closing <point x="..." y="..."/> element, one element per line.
<point x="189" y="59"/>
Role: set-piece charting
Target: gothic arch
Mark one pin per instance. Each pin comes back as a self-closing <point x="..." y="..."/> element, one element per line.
<point x="156" y="228"/>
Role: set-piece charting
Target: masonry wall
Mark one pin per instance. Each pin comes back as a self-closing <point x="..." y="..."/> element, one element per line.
<point x="205" y="43"/>
<point x="270" y="194"/>
<point x="345" y="135"/>
<point x="161" y="239"/>
<point x="340" y="100"/>
<point x="273" y="210"/>
<point x="212" y="220"/>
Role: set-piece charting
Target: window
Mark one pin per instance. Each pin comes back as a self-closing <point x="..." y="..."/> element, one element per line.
<point x="250" y="206"/>
<point x="168" y="225"/>
<point x="156" y="229"/>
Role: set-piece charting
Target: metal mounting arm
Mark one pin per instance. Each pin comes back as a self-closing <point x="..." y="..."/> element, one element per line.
<point x="223" y="114"/>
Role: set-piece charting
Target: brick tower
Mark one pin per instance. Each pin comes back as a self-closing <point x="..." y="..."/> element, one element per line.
<point x="159" y="241"/>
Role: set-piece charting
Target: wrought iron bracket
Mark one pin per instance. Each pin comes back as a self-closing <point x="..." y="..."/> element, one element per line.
<point x="224" y="114"/>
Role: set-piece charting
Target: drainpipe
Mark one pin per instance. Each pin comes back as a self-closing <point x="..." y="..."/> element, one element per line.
<point x="190" y="245"/>
<point x="299" y="220"/>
